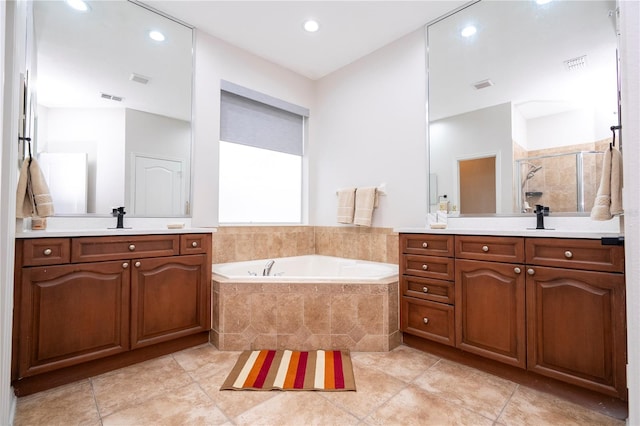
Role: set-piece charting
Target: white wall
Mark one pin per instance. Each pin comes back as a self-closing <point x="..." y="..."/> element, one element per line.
<point x="630" y="67"/>
<point x="215" y="61"/>
<point x="100" y="132"/>
<point x="12" y="59"/>
<point x="568" y="128"/>
<point x="481" y="133"/>
<point x="369" y="128"/>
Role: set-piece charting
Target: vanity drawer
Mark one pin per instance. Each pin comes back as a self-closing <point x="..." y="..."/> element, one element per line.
<point x="496" y="249"/>
<point x="45" y="251"/>
<point x="427" y="244"/>
<point x="574" y="253"/>
<point x="194" y="243"/>
<point x="90" y="249"/>
<point x="441" y="268"/>
<point x="428" y="289"/>
<point x="433" y="321"/>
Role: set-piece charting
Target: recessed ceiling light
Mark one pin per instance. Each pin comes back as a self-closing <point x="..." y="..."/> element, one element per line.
<point x="543" y="1"/>
<point x="468" y="31"/>
<point x="311" y="26"/>
<point x="156" y="35"/>
<point x="78" y="5"/>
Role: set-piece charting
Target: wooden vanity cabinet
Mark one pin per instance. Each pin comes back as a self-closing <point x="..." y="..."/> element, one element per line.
<point x="552" y="306"/>
<point x="426" y="283"/>
<point x="576" y="313"/>
<point x="111" y="300"/>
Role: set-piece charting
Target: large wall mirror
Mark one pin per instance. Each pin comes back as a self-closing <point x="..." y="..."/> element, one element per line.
<point x="113" y="116"/>
<point x="522" y="97"/>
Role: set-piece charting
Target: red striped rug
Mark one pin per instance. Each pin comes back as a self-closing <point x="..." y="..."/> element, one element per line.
<point x="292" y="370"/>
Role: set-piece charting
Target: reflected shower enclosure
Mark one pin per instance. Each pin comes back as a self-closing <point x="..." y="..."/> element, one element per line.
<point x="566" y="182"/>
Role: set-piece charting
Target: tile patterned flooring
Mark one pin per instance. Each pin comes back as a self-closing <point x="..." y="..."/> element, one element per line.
<point x="401" y="387"/>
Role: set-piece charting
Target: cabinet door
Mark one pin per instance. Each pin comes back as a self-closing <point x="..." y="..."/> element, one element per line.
<point x="170" y="298"/>
<point x="71" y="314"/>
<point x="490" y="310"/>
<point x="576" y="327"/>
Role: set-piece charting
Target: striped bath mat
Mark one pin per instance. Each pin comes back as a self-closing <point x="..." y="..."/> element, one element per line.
<point x="292" y="370"/>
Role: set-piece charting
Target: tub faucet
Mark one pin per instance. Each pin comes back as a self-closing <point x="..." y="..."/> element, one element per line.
<point x="267" y="268"/>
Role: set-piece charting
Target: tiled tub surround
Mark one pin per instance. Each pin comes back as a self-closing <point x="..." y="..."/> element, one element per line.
<point x="358" y="316"/>
<point x="239" y="243"/>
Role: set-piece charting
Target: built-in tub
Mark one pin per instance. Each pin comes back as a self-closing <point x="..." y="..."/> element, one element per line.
<point x="307" y="303"/>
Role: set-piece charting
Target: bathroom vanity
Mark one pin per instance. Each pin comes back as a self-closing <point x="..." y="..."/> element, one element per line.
<point x="86" y="304"/>
<point x="554" y="307"/>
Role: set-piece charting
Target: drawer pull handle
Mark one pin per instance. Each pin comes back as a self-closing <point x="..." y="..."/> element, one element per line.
<point x="485" y="248"/>
<point x="194" y="244"/>
<point x="425" y="267"/>
<point x="516" y="270"/>
<point x="425" y="289"/>
<point x="530" y="271"/>
<point x="568" y="254"/>
<point x="425" y="320"/>
<point x="137" y="264"/>
<point x="132" y="247"/>
<point x="47" y="252"/>
<point x="425" y="245"/>
<point x="125" y="265"/>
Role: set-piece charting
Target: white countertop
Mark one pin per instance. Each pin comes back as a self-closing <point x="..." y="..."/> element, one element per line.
<point x="556" y="227"/>
<point x="105" y="226"/>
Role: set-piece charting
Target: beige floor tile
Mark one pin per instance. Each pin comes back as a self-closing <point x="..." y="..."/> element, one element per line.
<point x="415" y="406"/>
<point x="187" y="405"/>
<point x="206" y="360"/>
<point x="478" y="391"/>
<point x="530" y="407"/>
<point x="296" y="408"/>
<point x="373" y="389"/>
<point x="130" y="385"/>
<point x="403" y="363"/>
<point x="72" y="404"/>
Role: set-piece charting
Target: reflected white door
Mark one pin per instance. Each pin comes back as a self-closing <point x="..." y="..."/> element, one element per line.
<point x="158" y="187"/>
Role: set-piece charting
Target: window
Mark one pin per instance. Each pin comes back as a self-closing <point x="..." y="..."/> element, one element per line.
<point x="261" y="150"/>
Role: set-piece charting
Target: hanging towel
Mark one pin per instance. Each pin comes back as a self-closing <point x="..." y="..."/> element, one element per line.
<point x="366" y="201"/>
<point x="33" y="197"/>
<point x="608" y="200"/>
<point x="346" y="204"/>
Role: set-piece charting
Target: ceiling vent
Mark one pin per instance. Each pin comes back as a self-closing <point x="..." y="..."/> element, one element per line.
<point x="576" y="63"/>
<point x="111" y="97"/>
<point x="483" y="84"/>
<point x="139" y="78"/>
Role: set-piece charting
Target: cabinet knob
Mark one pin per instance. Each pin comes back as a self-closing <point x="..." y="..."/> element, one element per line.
<point x="425" y="245"/>
<point x="47" y="252"/>
<point x="194" y="244"/>
<point x="516" y="270"/>
<point x="485" y="248"/>
<point x="425" y="320"/>
<point x="425" y="289"/>
<point x="132" y="247"/>
<point x="137" y="264"/>
<point x="425" y="267"/>
<point x="125" y="265"/>
<point x="568" y="254"/>
<point x="530" y="271"/>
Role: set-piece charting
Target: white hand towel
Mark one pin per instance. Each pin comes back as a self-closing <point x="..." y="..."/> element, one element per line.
<point x="33" y="197"/>
<point x="366" y="201"/>
<point x="604" y="206"/>
<point x="346" y="204"/>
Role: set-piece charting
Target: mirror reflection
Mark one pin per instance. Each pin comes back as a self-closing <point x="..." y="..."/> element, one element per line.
<point x="522" y="96"/>
<point x="113" y="119"/>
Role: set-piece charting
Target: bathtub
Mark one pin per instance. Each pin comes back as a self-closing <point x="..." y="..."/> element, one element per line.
<point x="307" y="303"/>
<point x="310" y="268"/>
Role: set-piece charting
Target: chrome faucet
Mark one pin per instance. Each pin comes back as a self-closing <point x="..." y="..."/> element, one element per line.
<point x="267" y="268"/>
